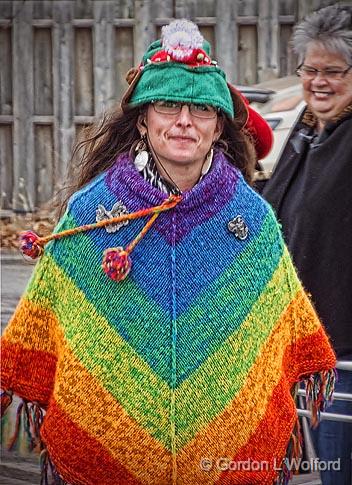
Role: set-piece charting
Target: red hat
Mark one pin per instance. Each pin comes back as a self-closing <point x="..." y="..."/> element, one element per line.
<point x="257" y="126"/>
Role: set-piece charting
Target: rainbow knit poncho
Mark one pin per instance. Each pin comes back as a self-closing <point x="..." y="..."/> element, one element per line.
<point x="184" y="369"/>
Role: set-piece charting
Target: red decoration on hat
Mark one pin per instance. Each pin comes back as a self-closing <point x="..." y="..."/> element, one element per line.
<point x="182" y="42"/>
<point x="198" y="57"/>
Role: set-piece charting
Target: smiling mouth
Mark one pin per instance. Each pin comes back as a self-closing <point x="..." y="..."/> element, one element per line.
<point x="321" y="94"/>
<point x="182" y="138"/>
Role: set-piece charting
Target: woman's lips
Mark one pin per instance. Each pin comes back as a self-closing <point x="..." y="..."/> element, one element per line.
<point x="182" y="139"/>
<point x="321" y="94"/>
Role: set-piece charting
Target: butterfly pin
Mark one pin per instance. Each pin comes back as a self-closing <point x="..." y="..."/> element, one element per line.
<point x="118" y="209"/>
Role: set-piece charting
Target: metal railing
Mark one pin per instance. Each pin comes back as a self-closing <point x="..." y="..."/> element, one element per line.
<point x="313" y="478"/>
<point x="339" y="396"/>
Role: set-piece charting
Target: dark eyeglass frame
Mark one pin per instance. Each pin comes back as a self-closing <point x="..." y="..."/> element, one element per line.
<point x="312" y="73"/>
<point x="191" y="106"/>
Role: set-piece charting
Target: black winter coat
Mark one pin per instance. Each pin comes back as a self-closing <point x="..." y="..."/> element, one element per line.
<point x="311" y="192"/>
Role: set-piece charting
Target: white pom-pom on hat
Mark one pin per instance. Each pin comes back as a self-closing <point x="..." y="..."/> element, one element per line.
<point x="180" y="38"/>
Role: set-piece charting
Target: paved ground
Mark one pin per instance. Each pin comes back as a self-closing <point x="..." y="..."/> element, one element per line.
<point x="15" y="469"/>
<point x="19" y="470"/>
<point x="15" y="274"/>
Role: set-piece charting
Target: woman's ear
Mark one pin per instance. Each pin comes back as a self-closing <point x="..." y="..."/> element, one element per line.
<point x="219" y="128"/>
<point x="142" y="124"/>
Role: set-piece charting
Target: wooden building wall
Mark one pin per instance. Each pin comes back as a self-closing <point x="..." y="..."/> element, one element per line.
<point x="64" y="62"/>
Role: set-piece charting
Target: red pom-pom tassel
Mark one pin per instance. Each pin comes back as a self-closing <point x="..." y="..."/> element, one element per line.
<point x="116" y="263"/>
<point x="29" y="244"/>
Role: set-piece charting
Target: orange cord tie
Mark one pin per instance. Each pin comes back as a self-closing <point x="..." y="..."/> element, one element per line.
<point x="116" y="261"/>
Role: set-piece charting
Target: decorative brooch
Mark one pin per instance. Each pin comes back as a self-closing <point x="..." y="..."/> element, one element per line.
<point x="238" y="227"/>
<point x="118" y="209"/>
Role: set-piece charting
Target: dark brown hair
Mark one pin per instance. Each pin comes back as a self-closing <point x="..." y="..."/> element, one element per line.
<point x="117" y="133"/>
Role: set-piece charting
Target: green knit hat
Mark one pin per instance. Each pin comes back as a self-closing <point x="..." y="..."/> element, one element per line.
<point x="179" y="68"/>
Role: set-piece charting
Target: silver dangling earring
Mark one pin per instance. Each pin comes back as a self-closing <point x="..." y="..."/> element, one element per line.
<point x="142" y="156"/>
<point x="210" y="156"/>
<point x="207" y="162"/>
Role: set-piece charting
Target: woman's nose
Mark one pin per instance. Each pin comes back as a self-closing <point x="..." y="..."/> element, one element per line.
<point x="184" y="118"/>
<point x="319" y="78"/>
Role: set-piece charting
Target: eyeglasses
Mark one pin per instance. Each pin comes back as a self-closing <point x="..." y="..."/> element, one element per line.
<point x="173" y="108"/>
<point x="331" y="74"/>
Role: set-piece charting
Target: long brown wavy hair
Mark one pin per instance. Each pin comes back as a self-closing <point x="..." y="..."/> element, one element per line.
<point x="117" y="133"/>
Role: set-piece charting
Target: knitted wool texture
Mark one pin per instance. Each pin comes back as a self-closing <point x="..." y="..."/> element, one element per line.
<point x="192" y="357"/>
<point x="175" y="80"/>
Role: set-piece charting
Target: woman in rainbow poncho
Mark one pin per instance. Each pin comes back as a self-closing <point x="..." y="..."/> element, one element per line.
<point x="165" y="327"/>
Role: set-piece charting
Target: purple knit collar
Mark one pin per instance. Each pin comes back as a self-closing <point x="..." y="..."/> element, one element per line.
<point x="197" y="206"/>
<point x="218" y="185"/>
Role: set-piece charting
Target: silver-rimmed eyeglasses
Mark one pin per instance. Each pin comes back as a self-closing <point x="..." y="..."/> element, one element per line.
<point x="329" y="73"/>
<point x="204" y="111"/>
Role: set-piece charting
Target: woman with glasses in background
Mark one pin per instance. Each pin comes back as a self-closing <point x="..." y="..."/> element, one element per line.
<point x="164" y="340"/>
<point x="311" y="191"/>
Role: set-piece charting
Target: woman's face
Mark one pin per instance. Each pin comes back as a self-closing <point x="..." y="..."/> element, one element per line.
<point x="326" y="98"/>
<point x="182" y="138"/>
